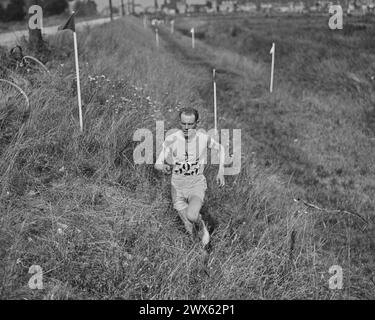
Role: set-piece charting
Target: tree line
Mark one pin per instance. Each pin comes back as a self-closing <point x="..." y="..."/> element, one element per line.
<point x="17" y="10"/>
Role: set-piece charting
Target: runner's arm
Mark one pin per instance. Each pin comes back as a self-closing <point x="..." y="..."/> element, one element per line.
<point x="217" y="146"/>
<point x="160" y="162"/>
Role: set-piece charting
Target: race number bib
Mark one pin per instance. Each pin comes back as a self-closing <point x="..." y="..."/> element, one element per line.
<point x="187" y="168"/>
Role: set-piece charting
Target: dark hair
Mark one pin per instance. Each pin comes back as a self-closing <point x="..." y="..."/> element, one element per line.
<point x="189" y="111"/>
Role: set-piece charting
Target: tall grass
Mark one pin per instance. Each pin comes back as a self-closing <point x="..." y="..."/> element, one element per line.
<point x="102" y="227"/>
<point x="317" y="126"/>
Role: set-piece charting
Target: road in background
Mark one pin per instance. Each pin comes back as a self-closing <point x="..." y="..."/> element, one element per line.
<point x="10" y="39"/>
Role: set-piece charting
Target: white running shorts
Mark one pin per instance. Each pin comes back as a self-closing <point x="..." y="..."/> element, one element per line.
<point x="185" y="187"/>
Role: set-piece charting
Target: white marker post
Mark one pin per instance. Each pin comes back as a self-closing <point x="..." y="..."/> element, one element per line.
<point x="215" y="101"/>
<point x="273" y="64"/>
<point x="172" y="26"/>
<point x="192" y="38"/>
<point x="144" y="22"/>
<point x="78" y="82"/>
<point x="157" y="37"/>
<point x="70" y="24"/>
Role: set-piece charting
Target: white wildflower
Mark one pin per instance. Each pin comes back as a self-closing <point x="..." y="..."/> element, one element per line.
<point x="62" y="225"/>
<point x="32" y="193"/>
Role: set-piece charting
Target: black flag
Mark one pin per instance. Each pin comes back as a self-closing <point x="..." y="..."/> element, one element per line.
<point x="70" y="24"/>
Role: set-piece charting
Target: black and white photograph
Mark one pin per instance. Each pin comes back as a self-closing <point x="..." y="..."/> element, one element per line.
<point x="187" y="154"/>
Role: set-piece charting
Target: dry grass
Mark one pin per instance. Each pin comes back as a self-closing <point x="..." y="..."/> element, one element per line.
<point x="101" y="227"/>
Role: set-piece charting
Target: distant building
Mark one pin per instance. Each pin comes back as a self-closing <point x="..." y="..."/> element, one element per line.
<point x="247" y="7"/>
<point x="227" y="6"/>
<point x="266" y="7"/>
<point x="194" y="6"/>
<point x="283" y="8"/>
<point x="299" y="7"/>
<point x="195" y="2"/>
<point x="139" y="5"/>
<point x="361" y="7"/>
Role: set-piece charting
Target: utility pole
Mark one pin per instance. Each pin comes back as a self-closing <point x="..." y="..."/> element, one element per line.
<point x="122" y="8"/>
<point x="110" y="9"/>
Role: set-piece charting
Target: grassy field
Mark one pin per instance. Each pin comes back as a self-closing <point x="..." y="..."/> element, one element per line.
<point x="102" y="227"/>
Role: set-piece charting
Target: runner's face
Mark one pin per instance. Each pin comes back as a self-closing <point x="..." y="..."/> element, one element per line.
<point x="187" y="122"/>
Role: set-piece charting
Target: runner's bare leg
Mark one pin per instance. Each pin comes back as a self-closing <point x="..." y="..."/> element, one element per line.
<point x="192" y="213"/>
<point x="185" y="220"/>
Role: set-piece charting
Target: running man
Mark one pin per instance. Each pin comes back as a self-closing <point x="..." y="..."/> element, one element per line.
<point x="186" y="152"/>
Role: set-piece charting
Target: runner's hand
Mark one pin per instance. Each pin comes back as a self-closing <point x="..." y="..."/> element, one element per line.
<point x="220" y="179"/>
<point x="167" y="169"/>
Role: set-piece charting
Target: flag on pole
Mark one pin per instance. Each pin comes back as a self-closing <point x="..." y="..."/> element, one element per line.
<point x="70" y="25"/>
<point x="272" y="51"/>
<point x="272" y="48"/>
